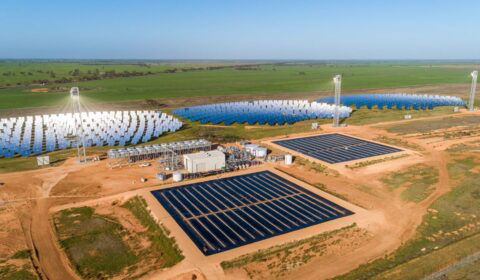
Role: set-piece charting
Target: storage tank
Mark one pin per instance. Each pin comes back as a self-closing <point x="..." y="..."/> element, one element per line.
<point x="177" y="177"/>
<point x="288" y="159"/>
<point x="161" y="176"/>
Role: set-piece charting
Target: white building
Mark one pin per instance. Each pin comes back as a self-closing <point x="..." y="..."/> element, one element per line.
<point x="256" y="150"/>
<point x="204" y="161"/>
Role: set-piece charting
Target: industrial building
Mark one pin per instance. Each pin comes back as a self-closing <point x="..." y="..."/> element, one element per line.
<point x="256" y="150"/>
<point x="204" y="161"/>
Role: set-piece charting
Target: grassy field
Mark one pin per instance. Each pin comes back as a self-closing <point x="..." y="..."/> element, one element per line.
<point x="430" y="125"/>
<point x="430" y="263"/>
<point x="93" y="243"/>
<point x="99" y="246"/>
<point x="418" y="182"/>
<point x="468" y="272"/>
<point x="399" y="143"/>
<point x="450" y="219"/>
<point x="264" y="79"/>
<point x="163" y="245"/>
<point x="17" y="266"/>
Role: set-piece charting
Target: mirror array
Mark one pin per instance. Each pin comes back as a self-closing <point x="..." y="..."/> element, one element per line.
<point x="272" y="112"/>
<point x="33" y="135"/>
<point x="398" y="100"/>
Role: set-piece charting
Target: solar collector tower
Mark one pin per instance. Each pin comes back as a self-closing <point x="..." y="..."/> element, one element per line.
<point x="472" y="91"/>
<point x="75" y="95"/>
<point x="338" y="84"/>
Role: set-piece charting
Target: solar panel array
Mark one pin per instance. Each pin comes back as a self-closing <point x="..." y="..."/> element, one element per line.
<point x="270" y="112"/>
<point x="226" y="213"/>
<point x="32" y="135"/>
<point x="398" y="100"/>
<point x="335" y="148"/>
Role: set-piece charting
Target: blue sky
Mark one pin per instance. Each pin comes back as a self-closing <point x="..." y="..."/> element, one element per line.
<point x="243" y="29"/>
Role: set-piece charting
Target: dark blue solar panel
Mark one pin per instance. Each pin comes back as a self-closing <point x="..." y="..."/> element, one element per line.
<point x="223" y="214"/>
<point x="335" y="148"/>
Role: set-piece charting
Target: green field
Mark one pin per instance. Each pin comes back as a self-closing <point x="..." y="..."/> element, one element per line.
<point x="16" y="80"/>
<point x="418" y="181"/>
<point x="99" y="247"/>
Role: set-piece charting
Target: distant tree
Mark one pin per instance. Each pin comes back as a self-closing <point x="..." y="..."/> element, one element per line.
<point x="302" y="73"/>
<point x="76" y="72"/>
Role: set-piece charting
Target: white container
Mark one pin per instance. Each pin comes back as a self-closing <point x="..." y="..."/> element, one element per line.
<point x="288" y="159"/>
<point x="251" y="147"/>
<point x="260" y="152"/>
<point x="177" y="177"/>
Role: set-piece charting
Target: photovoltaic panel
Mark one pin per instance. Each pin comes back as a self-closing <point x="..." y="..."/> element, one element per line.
<point x="335" y="148"/>
<point x="226" y="213"/>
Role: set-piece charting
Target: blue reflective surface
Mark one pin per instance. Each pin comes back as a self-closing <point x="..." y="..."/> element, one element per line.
<point x="271" y="112"/>
<point x="399" y="101"/>
<point x="33" y="135"/>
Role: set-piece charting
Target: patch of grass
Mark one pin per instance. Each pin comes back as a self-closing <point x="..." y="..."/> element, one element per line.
<point x="365" y="116"/>
<point x="427" y="264"/>
<point x="278" y="249"/>
<point x="56" y="159"/>
<point x="22" y="254"/>
<point x="464" y="147"/>
<point x="419" y="181"/>
<point x="471" y="272"/>
<point x="158" y="235"/>
<point x="317" y="167"/>
<point x="462" y="166"/>
<point x="361" y="164"/>
<point x="94" y="243"/>
<point x="399" y="143"/>
<point x="424" y="126"/>
<point x="11" y="272"/>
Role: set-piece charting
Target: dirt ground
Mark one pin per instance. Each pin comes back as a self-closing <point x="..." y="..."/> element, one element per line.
<point x="388" y="223"/>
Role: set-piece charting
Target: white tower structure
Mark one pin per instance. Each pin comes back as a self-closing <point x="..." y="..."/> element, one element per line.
<point x="80" y="139"/>
<point x="472" y="90"/>
<point x="338" y="88"/>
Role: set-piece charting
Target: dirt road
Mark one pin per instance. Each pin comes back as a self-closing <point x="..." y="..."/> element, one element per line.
<point x="50" y="257"/>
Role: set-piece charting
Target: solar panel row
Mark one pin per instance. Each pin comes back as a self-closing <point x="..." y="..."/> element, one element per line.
<point x="335" y="148"/>
<point x="222" y="214"/>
